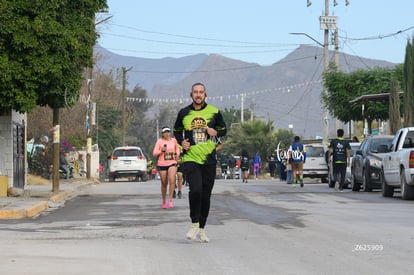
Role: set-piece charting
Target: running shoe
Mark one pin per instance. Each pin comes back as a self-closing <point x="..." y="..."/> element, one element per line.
<point x="174" y="195"/>
<point x="179" y="195"/>
<point x="170" y="204"/>
<point x="202" y="235"/>
<point x="193" y="232"/>
<point x="301" y="183"/>
<point x="164" y="205"/>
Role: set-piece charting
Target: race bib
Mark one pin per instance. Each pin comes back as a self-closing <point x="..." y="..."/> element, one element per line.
<point x="168" y="156"/>
<point x="200" y="135"/>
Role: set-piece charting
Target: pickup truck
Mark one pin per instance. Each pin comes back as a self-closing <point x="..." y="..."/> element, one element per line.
<point x="398" y="165"/>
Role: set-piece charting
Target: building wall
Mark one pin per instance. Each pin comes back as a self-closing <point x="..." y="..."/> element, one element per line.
<point x="6" y="143"/>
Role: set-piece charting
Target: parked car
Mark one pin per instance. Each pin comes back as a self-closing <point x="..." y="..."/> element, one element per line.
<point x="366" y="163"/>
<point x="354" y="147"/>
<point x="398" y="165"/>
<point x="315" y="165"/>
<point x="127" y="161"/>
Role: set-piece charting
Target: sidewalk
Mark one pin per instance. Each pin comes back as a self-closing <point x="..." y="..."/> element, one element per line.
<point x="39" y="197"/>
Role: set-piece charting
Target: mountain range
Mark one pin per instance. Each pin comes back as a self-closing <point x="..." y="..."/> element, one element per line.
<point x="288" y="92"/>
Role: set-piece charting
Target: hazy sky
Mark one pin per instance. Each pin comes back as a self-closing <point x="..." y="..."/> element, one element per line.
<point x="254" y="31"/>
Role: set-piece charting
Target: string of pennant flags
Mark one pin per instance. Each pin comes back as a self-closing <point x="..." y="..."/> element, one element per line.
<point x="180" y="100"/>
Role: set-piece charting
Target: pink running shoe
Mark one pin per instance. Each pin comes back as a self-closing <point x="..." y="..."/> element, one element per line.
<point x="170" y="204"/>
<point x="164" y="205"/>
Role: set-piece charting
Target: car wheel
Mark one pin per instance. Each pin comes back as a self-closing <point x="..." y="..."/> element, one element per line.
<point x="407" y="192"/>
<point x="111" y="178"/>
<point x="366" y="183"/>
<point x="387" y="191"/>
<point x="354" y="184"/>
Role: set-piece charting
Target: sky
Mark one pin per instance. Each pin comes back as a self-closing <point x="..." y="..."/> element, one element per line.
<point x="256" y="31"/>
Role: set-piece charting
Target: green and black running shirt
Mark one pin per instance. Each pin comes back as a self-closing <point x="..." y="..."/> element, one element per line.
<point x="192" y="124"/>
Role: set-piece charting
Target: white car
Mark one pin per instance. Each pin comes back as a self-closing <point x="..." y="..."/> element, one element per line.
<point x="127" y="161"/>
<point x="315" y="165"/>
<point x="354" y="147"/>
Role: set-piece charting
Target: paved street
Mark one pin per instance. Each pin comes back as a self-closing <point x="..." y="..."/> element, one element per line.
<point x="263" y="227"/>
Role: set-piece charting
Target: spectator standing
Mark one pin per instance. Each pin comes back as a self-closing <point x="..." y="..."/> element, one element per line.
<point x="281" y="165"/>
<point x="271" y="162"/>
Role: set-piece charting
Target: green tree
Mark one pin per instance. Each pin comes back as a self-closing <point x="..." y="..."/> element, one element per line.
<point x="345" y="87"/>
<point x="409" y="83"/>
<point x="252" y="136"/>
<point x="284" y="137"/>
<point x="44" y="48"/>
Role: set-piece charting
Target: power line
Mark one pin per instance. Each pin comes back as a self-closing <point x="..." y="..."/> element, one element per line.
<point x="377" y="37"/>
<point x="221" y="98"/>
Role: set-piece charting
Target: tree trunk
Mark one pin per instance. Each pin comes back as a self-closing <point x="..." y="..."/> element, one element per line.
<point x="409" y="83"/>
<point x="395" y="117"/>
<point x="56" y="149"/>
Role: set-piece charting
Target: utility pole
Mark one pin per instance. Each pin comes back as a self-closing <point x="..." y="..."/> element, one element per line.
<point x="124" y="71"/>
<point x="242" y="109"/>
<point x="327" y="23"/>
<point x="90" y="109"/>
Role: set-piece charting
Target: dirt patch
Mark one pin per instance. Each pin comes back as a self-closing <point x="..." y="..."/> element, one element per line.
<point x="36" y="180"/>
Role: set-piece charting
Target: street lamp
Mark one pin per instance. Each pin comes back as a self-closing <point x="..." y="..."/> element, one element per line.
<point x="326" y="65"/>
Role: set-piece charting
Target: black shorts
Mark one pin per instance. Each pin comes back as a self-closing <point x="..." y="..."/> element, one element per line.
<point x="165" y="168"/>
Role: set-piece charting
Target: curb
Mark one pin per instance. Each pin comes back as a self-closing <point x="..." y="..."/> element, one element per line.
<point x="36" y="208"/>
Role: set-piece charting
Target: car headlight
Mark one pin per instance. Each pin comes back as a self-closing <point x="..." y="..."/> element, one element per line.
<point x="375" y="163"/>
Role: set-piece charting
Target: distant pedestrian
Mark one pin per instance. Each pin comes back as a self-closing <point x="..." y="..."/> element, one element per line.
<point x="340" y="150"/>
<point x="232" y="165"/>
<point x="180" y="174"/>
<point x="297" y="157"/>
<point x="288" y="173"/>
<point x="256" y="164"/>
<point x="244" y="165"/>
<point x="271" y="163"/>
<point x="281" y="165"/>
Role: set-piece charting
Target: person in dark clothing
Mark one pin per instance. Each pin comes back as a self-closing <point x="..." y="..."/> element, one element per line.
<point x="340" y="150"/>
<point x="281" y="166"/>
<point x="271" y="162"/>
<point x="244" y="165"/>
<point x="64" y="164"/>
<point x="232" y="165"/>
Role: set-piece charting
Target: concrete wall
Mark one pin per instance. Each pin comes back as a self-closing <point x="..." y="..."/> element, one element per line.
<point x="6" y="143"/>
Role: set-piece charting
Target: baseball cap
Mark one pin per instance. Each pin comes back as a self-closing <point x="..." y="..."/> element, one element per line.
<point x="165" y="129"/>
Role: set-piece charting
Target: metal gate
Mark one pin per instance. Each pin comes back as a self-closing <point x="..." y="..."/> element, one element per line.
<point x="18" y="155"/>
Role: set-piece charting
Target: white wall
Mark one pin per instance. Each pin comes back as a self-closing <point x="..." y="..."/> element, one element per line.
<point x="6" y="143"/>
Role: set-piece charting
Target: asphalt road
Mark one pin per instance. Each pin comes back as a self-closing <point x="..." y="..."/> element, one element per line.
<point x="263" y="227"/>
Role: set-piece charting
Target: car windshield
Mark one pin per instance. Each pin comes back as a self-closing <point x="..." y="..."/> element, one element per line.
<point x="353" y="149"/>
<point x="380" y="145"/>
<point x="127" y="153"/>
<point x="314" y="151"/>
